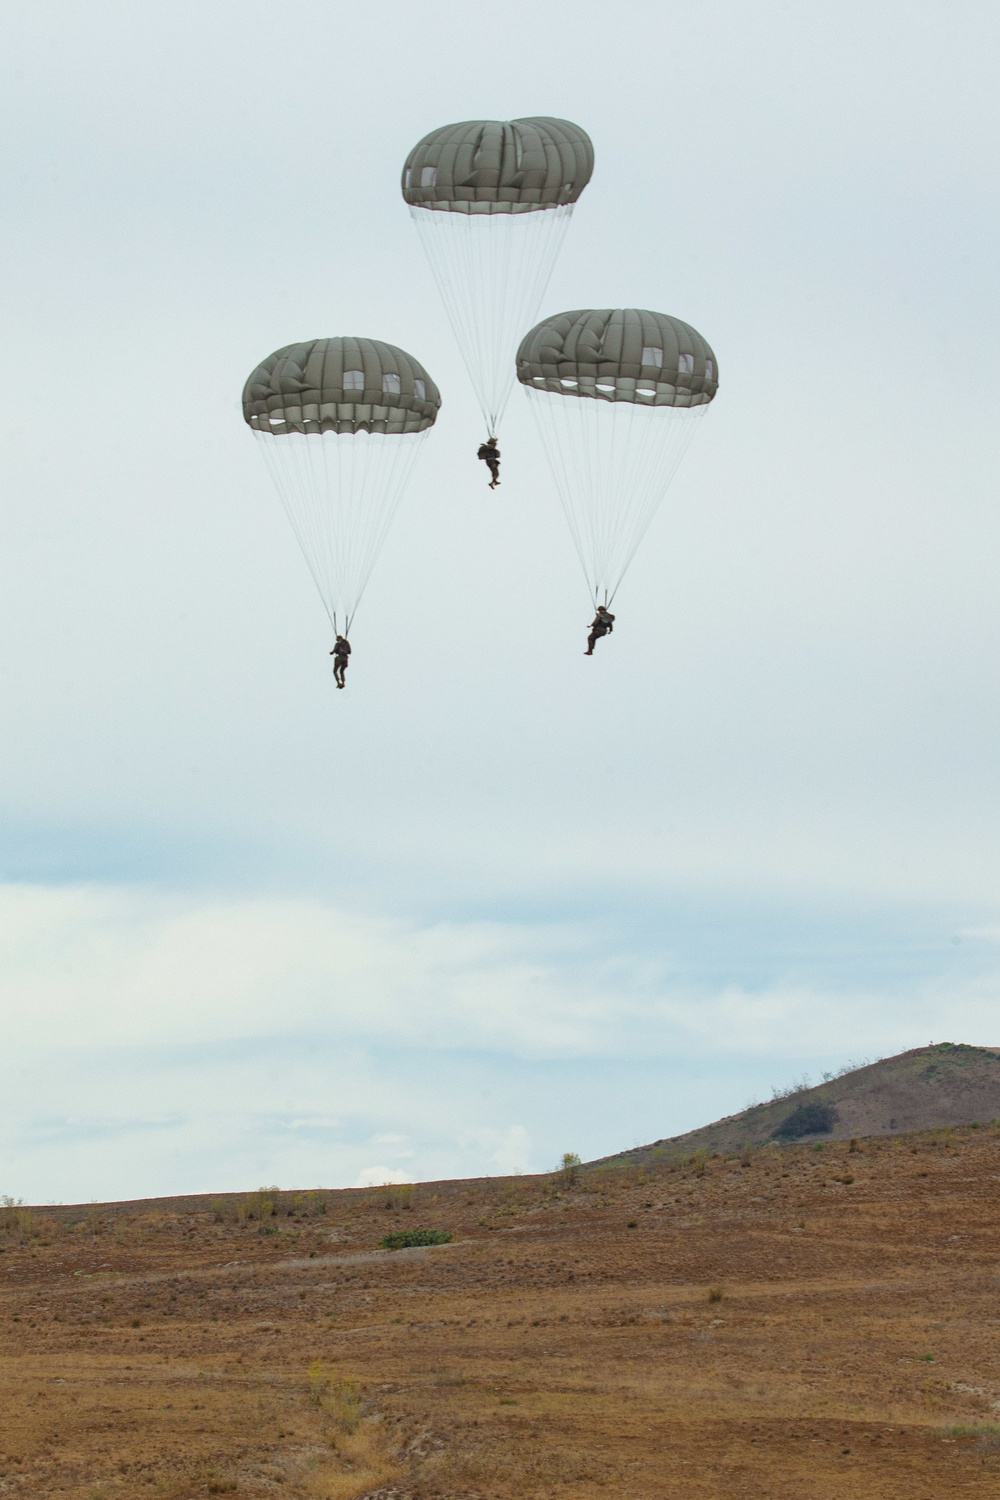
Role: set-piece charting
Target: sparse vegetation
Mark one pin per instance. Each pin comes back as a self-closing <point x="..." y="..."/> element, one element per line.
<point x="464" y="1356"/>
<point x="395" y="1197"/>
<point x="261" y="1205"/>
<point x="988" y="1432"/>
<point x="340" y="1398"/>
<point x="789" y="1090"/>
<point x="219" y="1482"/>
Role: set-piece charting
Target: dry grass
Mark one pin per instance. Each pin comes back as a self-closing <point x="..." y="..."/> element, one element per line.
<point x="172" y="1349"/>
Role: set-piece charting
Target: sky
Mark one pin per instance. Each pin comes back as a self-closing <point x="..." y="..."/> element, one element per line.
<point x="494" y="902"/>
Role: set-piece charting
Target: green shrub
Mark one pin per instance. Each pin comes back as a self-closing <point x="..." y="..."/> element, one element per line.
<point x="568" y="1167"/>
<point x="404" y="1239"/>
<point x="806" y="1119"/>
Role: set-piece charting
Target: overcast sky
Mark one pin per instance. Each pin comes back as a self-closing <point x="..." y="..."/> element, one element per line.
<point x="495" y="901"/>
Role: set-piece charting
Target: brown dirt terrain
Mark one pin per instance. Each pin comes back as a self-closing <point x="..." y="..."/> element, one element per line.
<point x="792" y="1324"/>
<point x="946" y="1084"/>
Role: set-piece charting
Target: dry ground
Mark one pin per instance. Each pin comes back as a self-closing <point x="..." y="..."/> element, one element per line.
<point x="800" y="1324"/>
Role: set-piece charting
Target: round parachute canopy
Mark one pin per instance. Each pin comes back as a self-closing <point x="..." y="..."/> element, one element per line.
<point x="344" y="385"/>
<point x="620" y="354"/>
<point x="499" y="166"/>
<point x="340" y="423"/>
<point x="491" y="201"/>
<point x="617" y="394"/>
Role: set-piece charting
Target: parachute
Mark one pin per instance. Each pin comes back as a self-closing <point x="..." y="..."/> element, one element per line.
<point x="617" y="394"/>
<point x="492" y="200"/>
<point x="340" y="422"/>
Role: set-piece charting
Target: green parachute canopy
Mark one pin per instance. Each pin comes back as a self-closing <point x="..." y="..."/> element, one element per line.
<point x="499" y="166"/>
<point x="343" y="385"/>
<point x="339" y="423"/>
<point x="491" y="201"/>
<point x="650" y="379"/>
<point x="620" y="354"/>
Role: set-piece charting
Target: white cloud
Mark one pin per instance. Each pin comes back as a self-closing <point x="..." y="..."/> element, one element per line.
<point x="507" y="1151"/>
<point x="380" y="1177"/>
<point x="106" y="967"/>
<point x="125" y="967"/>
<point x="159" y="1042"/>
<point x="100" y="967"/>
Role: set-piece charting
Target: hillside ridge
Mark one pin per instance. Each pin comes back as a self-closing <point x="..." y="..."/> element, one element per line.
<point x="926" y="1088"/>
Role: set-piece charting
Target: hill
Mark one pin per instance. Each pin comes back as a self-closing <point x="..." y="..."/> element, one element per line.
<point x="927" y="1088"/>
<point x="803" y="1322"/>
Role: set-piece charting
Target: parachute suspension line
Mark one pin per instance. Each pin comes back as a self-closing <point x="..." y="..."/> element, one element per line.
<point x="566" y="475"/>
<point x="612" y="463"/>
<point x="340" y="492"/>
<point x="491" y="271"/>
<point x="648" y="446"/>
<point x="290" y="481"/>
<point x="370" y="477"/>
